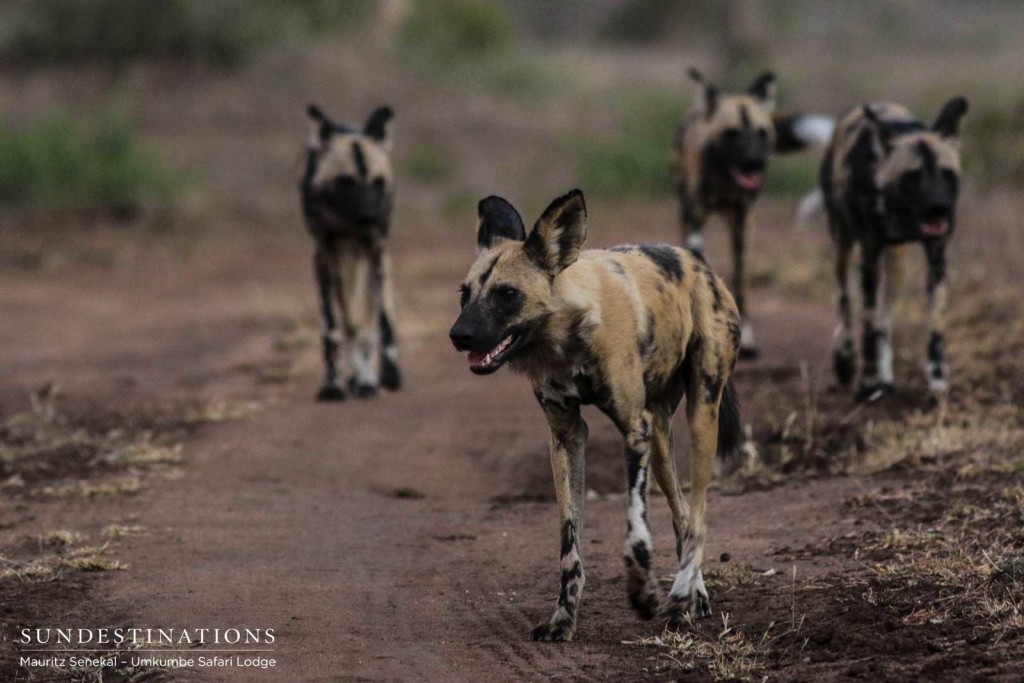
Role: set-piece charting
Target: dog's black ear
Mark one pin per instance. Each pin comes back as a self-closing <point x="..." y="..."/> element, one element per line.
<point x="763" y="88"/>
<point x="320" y="127"/>
<point x="880" y="126"/>
<point x="558" y="235"/>
<point x="948" y="123"/>
<point x="497" y="221"/>
<point x="709" y="93"/>
<point x="377" y="125"/>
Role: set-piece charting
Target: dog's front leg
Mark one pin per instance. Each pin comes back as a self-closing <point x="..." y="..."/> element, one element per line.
<point x="330" y="391"/>
<point x="568" y="443"/>
<point x="936" y="365"/>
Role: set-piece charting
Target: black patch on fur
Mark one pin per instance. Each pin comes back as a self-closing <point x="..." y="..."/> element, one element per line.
<point x="624" y="248"/>
<point x="487" y="273"/>
<point x="937" y="351"/>
<point x="928" y="160"/>
<point x="568" y="537"/>
<point x="666" y="259"/>
<point x="376" y="125"/>
<point x="360" y="160"/>
<point x="642" y="555"/>
<point x="645" y="344"/>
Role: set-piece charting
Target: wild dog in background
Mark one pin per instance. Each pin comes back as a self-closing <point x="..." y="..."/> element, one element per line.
<point x="347" y="195"/>
<point x="720" y="156"/>
<point x="631" y="330"/>
<point x="887" y="180"/>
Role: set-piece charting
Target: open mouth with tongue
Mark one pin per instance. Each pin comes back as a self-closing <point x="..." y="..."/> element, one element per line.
<point x="935" y="228"/>
<point x="486" y="362"/>
<point x="749" y="179"/>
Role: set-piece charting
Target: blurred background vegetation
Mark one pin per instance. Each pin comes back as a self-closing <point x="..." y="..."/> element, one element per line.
<point x="599" y="84"/>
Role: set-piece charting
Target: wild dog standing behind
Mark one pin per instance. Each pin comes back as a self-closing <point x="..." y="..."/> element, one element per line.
<point x="347" y="196"/>
<point x="719" y="160"/>
<point x="631" y="330"/>
<point x="887" y="180"/>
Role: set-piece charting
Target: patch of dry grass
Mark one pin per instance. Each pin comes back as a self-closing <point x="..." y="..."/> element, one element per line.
<point x="722" y="651"/>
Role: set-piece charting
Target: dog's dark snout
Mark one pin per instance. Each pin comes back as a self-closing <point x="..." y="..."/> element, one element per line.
<point x="461" y="336"/>
<point x="938" y="210"/>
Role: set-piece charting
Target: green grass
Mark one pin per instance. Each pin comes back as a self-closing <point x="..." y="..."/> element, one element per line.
<point x="633" y="159"/>
<point x="56" y="162"/>
<point x="226" y="33"/>
<point x="444" y="32"/>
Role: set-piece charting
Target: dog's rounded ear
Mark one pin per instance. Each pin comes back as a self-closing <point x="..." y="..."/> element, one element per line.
<point x="319" y="127"/>
<point x="763" y="88"/>
<point x="558" y="235"/>
<point x="708" y="99"/>
<point x="497" y="221"/>
<point x="948" y="122"/>
<point x="377" y="126"/>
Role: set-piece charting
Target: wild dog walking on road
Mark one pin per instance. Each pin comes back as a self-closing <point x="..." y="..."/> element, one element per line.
<point x="887" y="180"/>
<point x="720" y="156"/>
<point x="347" y="195"/>
<point x="630" y="330"/>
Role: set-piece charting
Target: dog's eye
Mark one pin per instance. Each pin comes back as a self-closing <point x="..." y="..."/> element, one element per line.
<point x="463" y="295"/>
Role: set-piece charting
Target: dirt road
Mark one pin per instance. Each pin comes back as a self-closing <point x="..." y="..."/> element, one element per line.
<point x="410" y="537"/>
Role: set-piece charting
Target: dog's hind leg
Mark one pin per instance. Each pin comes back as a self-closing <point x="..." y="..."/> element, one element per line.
<point x="663" y="463"/>
<point x="568" y="445"/>
<point x="390" y="375"/>
<point x="330" y="390"/>
<point x="641" y="586"/>
<point x="688" y="597"/>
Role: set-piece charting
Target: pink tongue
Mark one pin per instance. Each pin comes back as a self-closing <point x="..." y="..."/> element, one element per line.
<point x="936" y="228"/>
<point x="748" y="181"/>
<point x="476" y="358"/>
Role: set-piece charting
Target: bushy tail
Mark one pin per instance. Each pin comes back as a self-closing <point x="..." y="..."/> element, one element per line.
<point x="730" y="430"/>
<point x="794" y="132"/>
<point x="811" y="206"/>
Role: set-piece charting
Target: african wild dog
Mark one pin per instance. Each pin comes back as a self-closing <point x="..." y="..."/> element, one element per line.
<point x="720" y="155"/>
<point x="347" y="195"/>
<point x="887" y="180"/>
<point x="630" y="330"/>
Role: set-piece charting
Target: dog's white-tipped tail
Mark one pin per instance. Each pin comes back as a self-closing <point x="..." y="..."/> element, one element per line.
<point x="811" y="206"/>
<point x="795" y="132"/>
<point x="814" y="129"/>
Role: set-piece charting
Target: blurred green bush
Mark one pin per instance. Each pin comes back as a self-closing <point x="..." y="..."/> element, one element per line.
<point x="448" y="31"/>
<point x="635" y="158"/>
<point x="56" y="162"/>
<point x="224" y="33"/>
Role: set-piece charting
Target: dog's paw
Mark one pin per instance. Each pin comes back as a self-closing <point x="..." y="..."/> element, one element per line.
<point x="330" y="392"/>
<point x="390" y="376"/>
<point x="680" y="611"/>
<point x="644" y="598"/>
<point x="553" y="632"/>
<point x="844" y="365"/>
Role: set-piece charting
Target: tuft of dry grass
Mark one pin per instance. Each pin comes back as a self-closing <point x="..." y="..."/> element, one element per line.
<point x="724" y="653"/>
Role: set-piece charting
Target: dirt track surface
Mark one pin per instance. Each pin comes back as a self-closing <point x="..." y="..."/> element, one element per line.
<point x="408" y="537"/>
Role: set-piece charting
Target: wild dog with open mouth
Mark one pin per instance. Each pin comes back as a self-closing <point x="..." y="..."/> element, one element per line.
<point x="887" y="180"/>
<point x="347" y="196"/>
<point x="720" y="156"/>
<point x="630" y="330"/>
